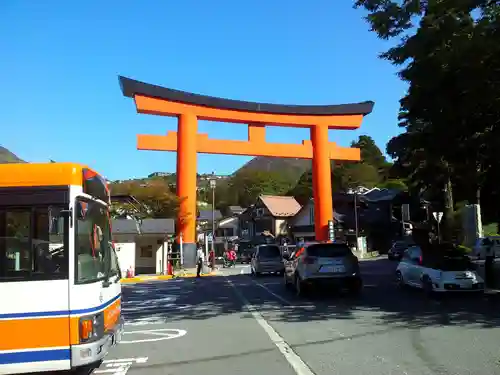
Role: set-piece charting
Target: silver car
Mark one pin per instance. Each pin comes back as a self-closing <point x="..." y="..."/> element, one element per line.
<point x="267" y="259"/>
<point x="322" y="264"/>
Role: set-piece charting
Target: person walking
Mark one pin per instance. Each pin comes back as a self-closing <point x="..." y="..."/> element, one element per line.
<point x="200" y="258"/>
<point x="211" y="259"/>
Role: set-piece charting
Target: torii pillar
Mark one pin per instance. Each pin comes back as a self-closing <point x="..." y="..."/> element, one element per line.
<point x="189" y="108"/>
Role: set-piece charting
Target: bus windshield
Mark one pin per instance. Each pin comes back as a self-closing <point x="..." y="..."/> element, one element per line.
<point x="93" y="242"/>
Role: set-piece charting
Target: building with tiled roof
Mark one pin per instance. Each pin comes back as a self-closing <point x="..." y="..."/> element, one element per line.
<point x="270" y="213"/>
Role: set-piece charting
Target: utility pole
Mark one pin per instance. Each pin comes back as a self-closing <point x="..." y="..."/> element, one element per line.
<point x="356" y="218"/>
<point x="213" y="183"/>
<point x="356" y="225"/>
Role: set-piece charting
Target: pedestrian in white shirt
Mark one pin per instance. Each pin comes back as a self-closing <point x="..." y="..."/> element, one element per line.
<point x="200" y="258"/>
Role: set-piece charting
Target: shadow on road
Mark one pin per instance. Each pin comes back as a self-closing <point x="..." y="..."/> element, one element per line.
<point x="212" y="297"/>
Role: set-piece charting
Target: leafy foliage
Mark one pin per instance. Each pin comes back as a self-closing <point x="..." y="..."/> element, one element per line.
<point x="157" y="200"/>
<point x="372" y="171"/>
<point x="449" y="54"/>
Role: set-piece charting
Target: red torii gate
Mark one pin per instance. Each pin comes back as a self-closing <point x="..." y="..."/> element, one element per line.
<point x="189" y="108"/>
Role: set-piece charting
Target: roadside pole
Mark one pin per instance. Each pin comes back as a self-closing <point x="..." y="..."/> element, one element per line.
<point x="206" y="248"/>
<point x="181" y="250"/>
<point x="438" y="216"/>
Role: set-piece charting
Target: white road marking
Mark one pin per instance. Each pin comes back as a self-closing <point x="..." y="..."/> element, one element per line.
<point x="283" y="299"/>
<point x="293" y="358"/>
<point x="164" y="333"/>
<point x="144" y="321"/>
<point x="119" y="366"/>
<point x="136" y="360"/>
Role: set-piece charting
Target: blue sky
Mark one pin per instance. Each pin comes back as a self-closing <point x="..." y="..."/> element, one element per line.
<point x="61" y="100"/>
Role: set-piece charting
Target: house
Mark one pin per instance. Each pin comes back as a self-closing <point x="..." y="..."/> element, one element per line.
<point x="142" y="245"/>
<point x="270" y="213"/>
<point x="234" y="210"/>
<point x="206" y="216"/>
<point x="227" y="227"/>
<point x="302" y="224"/>
<point x="373" y="218"/>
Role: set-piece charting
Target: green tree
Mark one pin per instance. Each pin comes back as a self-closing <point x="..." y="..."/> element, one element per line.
<point x="360" y="174"/>
<point x="247" y="185"/>
<point x="449" y="55"/>
<point x="372" y="171"/>
<point x="396" y="184"/>
<point x="303" y="190"/>
<point x="155" y="196"/>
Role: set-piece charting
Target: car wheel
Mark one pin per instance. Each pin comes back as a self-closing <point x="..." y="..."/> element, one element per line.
<point x="355" y="287"/>
<point x="400" y="282"/>
<point x="427" y="286"/>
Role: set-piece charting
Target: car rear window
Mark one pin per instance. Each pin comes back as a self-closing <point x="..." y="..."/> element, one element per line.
<point x="401" y="245"/>
<point x="454" y="264"/>
<point x="330" y="250"/>
<point x="269" y="252"/>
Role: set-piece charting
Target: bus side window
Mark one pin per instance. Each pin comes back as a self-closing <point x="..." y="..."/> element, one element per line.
<point x="33" y="244"/>
<point x="15" y="251"/>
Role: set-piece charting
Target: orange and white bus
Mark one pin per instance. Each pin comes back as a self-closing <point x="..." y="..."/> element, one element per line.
<point x="60" y="291"/>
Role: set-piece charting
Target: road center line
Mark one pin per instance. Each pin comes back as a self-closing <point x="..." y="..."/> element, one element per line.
<point x="299" y="366"/>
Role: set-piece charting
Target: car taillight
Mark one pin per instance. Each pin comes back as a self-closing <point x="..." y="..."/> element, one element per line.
<point x="309" y="260"/>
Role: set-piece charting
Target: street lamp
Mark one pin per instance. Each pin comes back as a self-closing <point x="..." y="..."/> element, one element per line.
<point x="213" y="183"/>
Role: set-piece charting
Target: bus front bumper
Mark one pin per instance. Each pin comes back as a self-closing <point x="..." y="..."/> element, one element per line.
<point x="94" y="352"/>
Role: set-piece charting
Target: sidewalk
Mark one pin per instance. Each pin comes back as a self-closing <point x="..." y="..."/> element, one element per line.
<point x="184" y="273"/>
<point x="366" y="255"/>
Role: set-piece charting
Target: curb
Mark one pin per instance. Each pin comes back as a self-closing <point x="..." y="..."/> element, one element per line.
<point x="369" y="255"/>
<point x="139" y="279"/>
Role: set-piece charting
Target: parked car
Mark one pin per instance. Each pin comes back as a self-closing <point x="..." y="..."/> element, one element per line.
<point x="445" y="271"/>
<point x="397" y="249"/>
<point x="322" y="264"/>
<point x="267" y="259"/>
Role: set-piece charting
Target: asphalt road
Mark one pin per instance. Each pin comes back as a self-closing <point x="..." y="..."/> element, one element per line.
<point x="235" y="324"/>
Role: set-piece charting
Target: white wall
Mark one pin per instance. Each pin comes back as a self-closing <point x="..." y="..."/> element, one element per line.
<point x="125" y="249"/>
<point x="161" y="261"/>
<point x="280" y="226"/>
<point x="146" y="264"/>
<point x="128" y="249"/>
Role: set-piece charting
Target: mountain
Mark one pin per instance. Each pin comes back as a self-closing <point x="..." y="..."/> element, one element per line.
<point x="8" y="157"/>
<point x="294" y="167"/>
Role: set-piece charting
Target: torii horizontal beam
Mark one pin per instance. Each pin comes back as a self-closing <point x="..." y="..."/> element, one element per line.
<point x="255" y="146"/>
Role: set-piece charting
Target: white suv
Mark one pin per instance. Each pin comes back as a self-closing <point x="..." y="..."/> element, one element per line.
<point x="449" y="271"/>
